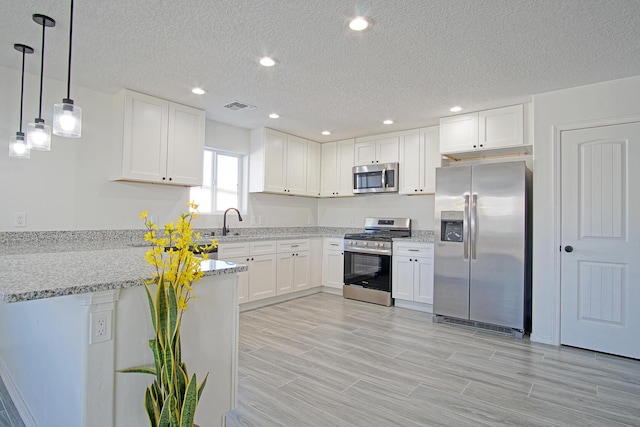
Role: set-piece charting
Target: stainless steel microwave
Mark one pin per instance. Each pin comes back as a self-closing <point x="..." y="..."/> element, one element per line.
<point x="377" y="178"/>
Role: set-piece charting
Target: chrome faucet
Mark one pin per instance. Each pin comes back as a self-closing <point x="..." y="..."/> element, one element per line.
<point x="225" y="229"/>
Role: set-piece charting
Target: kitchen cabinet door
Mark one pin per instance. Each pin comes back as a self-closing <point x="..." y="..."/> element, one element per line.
<point x="501" y="127"/>
<point x="376" y="149"/>
<point x="333" y="262"/>
<point x="262" y="277"/>
<point x="423" y="280"/>
<point x="185" y="144"/>
<point x="403" y="278"/>
<point x="296" y="166"/>
<point x="313" y="169"/>
<point x="337" y="169"/>
<point x="275" y="171"/>
<point x="411" y="163"/>
<point x="285" y="273"/>
<point x="329" y="165"/>
<point x="300" y="271"/>
<point x="459" y="133"/>
<point x="345" y="168"/>
<point x="430" y="158"/>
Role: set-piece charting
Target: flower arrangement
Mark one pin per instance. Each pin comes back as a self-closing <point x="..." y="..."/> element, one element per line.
<point x="171" y="400"/>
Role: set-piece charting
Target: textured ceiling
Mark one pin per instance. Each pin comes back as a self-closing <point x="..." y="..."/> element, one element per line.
<point x="420" y="57"/>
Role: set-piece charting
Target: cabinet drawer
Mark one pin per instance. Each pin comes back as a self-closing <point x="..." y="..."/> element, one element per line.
<point x="334" y="243"/>
<point x="262" y="247"/>
<point x="231" y="250"/>
<point x="413" y="249"/>
<point x="293" y="245"/>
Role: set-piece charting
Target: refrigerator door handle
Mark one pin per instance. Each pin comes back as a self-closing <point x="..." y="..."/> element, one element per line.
<point x="474" y="225"/>
<point x="465" y="227"/>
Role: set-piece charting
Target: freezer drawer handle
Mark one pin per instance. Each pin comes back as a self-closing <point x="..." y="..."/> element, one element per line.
<point x="465" y="227"/>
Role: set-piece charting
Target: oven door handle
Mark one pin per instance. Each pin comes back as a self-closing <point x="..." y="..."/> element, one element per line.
<point x="369" y="251"/>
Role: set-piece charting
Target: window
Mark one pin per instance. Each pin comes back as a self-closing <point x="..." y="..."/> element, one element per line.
<point x="221" y="182"/>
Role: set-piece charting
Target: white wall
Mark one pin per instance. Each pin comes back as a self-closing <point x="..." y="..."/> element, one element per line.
<point x="351" y="211"/>
<point x="569" y="107"/>
<point x="68" y="188"/>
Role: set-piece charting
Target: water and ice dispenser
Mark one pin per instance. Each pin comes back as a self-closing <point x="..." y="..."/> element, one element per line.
<point x="451" y="227"/>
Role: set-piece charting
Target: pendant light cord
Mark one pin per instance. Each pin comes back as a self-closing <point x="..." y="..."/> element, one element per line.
<point x="24" y="54"/>
<point x="41" y="71"/>
<point x="70" y="38"/>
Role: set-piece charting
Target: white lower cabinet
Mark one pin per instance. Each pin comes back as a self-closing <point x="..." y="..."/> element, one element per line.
<point x="261" y="258"/>
<point x="293" y="266"/>
<point x="333" y="263"/>
<point x="412" y="272"/>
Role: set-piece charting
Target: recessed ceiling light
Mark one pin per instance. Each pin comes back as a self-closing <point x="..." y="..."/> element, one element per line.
<point x="388" y="122"/>
<point x="274" y="115"/>
<point x="197" y="91"/>
<point x="267" y="61"/>
<point x="455" y="109"/>
<point x="326" y="132"/>
<point x="360" y="23"/>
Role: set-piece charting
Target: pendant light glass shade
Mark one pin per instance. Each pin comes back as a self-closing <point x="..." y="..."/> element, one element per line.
<point x="67" y="117"/>
<point x="39" y="133"/>
<point x="18" y="147"/>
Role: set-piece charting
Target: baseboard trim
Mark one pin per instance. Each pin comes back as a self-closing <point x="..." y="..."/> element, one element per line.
<point x="16" y="397"/>
<point x="277" y="299"/>
<point x="412" y="305"/>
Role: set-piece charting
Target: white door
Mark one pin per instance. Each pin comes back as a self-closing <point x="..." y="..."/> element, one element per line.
<point x="600" y="290"/>
<point x="296" y="164"/>
<point x="403" y="277"/>
<point x="424" y="281"/>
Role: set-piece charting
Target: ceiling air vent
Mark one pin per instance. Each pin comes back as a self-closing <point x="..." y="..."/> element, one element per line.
<point x="239" y="106"/>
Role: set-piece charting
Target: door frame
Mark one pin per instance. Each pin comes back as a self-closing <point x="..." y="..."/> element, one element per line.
<point x="557" y="201"/>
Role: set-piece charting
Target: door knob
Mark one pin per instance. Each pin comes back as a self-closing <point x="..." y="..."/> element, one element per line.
<point x="568" y="248"/>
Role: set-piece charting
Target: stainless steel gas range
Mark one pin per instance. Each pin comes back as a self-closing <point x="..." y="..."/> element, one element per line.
<point x="367" y="259"/>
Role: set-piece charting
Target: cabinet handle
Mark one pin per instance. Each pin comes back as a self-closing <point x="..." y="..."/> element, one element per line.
<point x="170" y="179"/>
<point x="163" y="178"/>
<point x="410" y="260"/>
<point x="414" y="250"/>
<point x="421" y="189"/>
<point x="474" y="146"/>
<point x="481" y="145"/>
<point x="294" y="246"/>
<point x="415" y="189"/>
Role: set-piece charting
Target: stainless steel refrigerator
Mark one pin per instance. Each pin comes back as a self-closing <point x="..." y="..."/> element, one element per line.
<point x="482" y="268"/>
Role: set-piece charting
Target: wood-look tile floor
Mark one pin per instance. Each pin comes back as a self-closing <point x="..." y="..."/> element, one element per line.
<point x="322" y="360"/>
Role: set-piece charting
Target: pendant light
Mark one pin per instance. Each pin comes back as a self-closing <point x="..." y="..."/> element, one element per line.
<point x="18" y="147"/>
<point x="39" y="133"/>
<point x="67" y="117"/>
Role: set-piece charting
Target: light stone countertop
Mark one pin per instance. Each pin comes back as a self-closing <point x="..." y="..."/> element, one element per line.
<point x="37" y="265"/>
<point x="29" y="276"/>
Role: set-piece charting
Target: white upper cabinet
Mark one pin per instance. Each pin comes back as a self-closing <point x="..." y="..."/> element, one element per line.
<point x="157" y="141"/>
<point x="376" y="149"/>
<point x="486" y="133"/>
<point x="337" y="169"/>
<point x="278" y="163"/>
<point x="313" y="169"/>
<point x="419" y="158"/>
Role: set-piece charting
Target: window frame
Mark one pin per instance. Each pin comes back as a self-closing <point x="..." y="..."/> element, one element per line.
<point x="240" y="159"/>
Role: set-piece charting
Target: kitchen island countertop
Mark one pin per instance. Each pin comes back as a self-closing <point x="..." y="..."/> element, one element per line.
<point x="56" y="270"/>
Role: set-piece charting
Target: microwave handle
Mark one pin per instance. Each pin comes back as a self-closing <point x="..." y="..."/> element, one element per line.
<point x="384" y="178"/>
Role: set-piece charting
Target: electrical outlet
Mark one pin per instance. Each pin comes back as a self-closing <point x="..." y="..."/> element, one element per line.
<point x="100" y="324"/>
<point x="20" y="219"/>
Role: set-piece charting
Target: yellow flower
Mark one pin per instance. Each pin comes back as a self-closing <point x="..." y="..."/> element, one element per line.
<point x="144" y="214"/>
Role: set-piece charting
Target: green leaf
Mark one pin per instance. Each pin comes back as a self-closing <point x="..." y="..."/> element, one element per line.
<point x="189" y="404"/>
<point x="161" y="309"/>
<point x="177" y="347"/>
<point x="173" y="312"/>
<point x="201" y="387"/>
<point x="150" y="406"/>
<point x="181" y="382"/>
<point x="155" y="348"/>
<point x="152" y="306"/>
<point x="164" y="419"/>
<point x="139" y="370"/>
